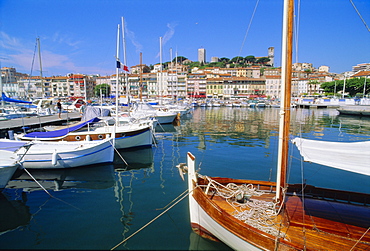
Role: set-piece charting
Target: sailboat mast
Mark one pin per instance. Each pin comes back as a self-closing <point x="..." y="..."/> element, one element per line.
<point x="161" y="72"/>
<point x="171" y="71"/>
<point x="41" y="79"/>
<point x="125" y="62"/>
<point x="344" y="86"/>
<point x="286" y="78"/>
<point x="141" y="77"/>
<point x="117" y="72"/>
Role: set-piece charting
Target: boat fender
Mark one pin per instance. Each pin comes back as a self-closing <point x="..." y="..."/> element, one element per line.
<point x="11" y="134"/>
<point x="54" y="158"/>
<point x="88" y="138"/>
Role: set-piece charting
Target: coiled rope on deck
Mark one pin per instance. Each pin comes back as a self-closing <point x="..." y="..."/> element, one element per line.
<point x="256" y="213"/>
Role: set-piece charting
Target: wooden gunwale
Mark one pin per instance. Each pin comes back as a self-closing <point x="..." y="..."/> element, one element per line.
<point x="319" y="233"/>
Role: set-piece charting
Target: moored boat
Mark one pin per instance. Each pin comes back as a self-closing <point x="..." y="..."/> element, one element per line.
<point x="9" y="162"/>
<point x="265" y="215"/>
<point x="64" y="154"/>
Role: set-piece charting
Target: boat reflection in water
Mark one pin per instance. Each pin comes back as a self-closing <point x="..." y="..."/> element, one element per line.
<point x="14" y="212"/>
<point x="129" y="165"/>
<point x="128" y="159"/>
<point x="89" y="177"/>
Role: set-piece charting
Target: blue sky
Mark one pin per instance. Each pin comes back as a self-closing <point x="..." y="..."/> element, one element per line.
<point x="79" y="36"/>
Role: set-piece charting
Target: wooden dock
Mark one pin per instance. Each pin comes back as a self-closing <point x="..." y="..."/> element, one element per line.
<point x="315" y="106"/>
<point x="21" y="124"/>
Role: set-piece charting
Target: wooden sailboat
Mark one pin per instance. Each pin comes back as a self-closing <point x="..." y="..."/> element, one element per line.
<point x="262" y="215"/>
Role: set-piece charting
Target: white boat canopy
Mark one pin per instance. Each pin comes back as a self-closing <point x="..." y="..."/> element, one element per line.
<point x="349" y="156"/>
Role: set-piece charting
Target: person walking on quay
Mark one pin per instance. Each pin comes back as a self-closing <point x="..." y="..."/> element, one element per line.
<point x="59" y="106"/>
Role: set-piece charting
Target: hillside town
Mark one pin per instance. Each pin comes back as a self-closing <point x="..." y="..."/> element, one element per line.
<point x="182" y="79"/>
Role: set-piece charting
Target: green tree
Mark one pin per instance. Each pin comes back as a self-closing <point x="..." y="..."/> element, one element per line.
<point x="225" y="60"/>
<point x="146" y="69"/>
<point x="237" y="60"/>
<point x="105" y="90"/>
<point x="250" y="59"/>
<point x="354" y="86"/>
<point x="263" y="60"/>
<point x="217" y="64"/>
<point x="179" y="59"/>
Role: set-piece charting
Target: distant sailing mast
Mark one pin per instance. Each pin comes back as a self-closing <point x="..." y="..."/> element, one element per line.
<point x="117" y="72"/>
<point x="128" y="93"/>
<point x="141" y="77"/>
<point x="41" y="78"/>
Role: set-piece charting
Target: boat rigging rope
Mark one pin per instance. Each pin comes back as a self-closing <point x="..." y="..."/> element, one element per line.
<point x="249" y="25"/>
<point x="150" y="222"/>
<point x="360" y="239"/>
<point x="259" y="214"/>
<point x="358" y="13"/>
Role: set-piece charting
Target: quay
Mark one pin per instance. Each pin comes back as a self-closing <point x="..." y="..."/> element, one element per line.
<point x="19" y="124"/>
<point x="315" y="106"/>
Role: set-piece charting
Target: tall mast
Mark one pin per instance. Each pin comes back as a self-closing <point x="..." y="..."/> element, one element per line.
<point x="125" y="62"/>
<point x="286" y="78"/>
<point x="85" y="88"/>
<point x="117" y="72"/>
<point x="160" y="72"/>
<point x="176" y="81"/>
<point x="344" y="86"/>
<point x="364" y="92"/>
<point x="141" y="76"/>
<point x="42" y="81"/>
<point x="1" y="87"/>
<point x="171" y="78"/>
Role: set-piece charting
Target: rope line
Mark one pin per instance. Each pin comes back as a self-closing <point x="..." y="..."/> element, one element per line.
<point x="358" y="13"/>
<point x="255" y="212"/>
<point x="150" y="222"/>
<point x="360" y="239"/>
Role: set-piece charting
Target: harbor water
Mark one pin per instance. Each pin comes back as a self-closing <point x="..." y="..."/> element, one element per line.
<point x="98" y="207"/>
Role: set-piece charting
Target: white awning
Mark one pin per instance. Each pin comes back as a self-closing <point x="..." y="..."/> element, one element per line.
<point x="349" y="156"/>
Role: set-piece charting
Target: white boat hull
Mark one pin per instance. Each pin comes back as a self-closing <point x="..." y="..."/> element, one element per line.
<point x="8" y="166"/>
<point x="54" y="155"/>
<point x="143" y="139"/>
<point x="165" y="119"/>
<point x="202" y="222"/>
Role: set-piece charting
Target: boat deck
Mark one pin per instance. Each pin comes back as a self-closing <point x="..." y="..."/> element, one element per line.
<point x="314" y="225"/>
<point x="36" y="121"/>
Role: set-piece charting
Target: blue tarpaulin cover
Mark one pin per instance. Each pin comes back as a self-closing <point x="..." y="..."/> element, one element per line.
<point x="61" y="132"/>
<point x="7" y="99"/>
<point x="11" y="145"/>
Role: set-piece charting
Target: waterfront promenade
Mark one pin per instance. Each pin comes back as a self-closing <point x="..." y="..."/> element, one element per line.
<point x="17" y="125"/>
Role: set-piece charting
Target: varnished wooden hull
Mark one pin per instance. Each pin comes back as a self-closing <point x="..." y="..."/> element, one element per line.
<point x="313" y="223"/>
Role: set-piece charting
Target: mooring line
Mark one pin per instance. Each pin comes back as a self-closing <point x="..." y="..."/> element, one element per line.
<point x="172" y="200"/>
<point x="27" y="147"/>
<point x="150" y="222"/>
<point x="46" y="191"/>
<point x="118" y="153"/>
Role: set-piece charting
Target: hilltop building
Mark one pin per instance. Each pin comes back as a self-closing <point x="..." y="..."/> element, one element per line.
<point x="202" y="55"/>
<point x="271" y="55"/>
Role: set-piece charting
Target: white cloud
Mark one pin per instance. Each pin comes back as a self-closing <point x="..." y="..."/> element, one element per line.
<point x="169" y="33"/>
<point x="131" y="35"/>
